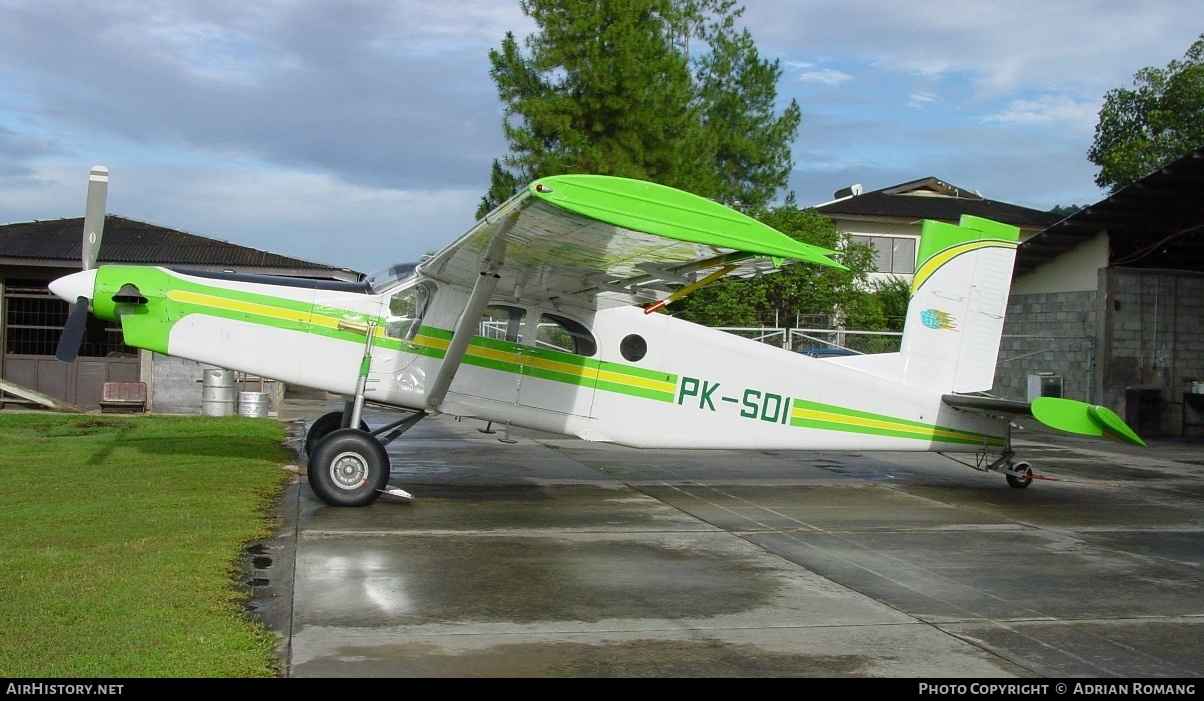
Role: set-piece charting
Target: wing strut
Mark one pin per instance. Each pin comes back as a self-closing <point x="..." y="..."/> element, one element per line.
<point x="689" y="288"/>
<point x="482" y="290"/>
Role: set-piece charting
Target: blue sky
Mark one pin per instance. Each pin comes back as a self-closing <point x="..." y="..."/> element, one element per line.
<point x="359" y="134"/>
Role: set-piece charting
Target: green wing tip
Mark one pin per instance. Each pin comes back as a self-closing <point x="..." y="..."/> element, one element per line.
<point x="818" y="255"/>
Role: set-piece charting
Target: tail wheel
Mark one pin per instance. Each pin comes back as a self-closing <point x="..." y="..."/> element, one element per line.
<point x="348" y="468"/>
<point x="323" y="426"/>
<point x="1020" y="482"/>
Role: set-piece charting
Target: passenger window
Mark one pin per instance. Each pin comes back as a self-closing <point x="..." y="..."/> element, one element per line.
<point x="503" y="323"/>
<point x="564" y="334"/>
<point x="633" y="347"/>
<point x="406" y="309"/>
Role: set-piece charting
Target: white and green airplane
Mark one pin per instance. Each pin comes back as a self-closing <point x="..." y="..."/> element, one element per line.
<point x="543" y="316"/>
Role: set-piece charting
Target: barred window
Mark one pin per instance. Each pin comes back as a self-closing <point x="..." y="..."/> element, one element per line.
<point x="34" y="320"/>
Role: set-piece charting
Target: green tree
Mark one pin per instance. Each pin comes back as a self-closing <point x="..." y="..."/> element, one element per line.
<point x="660" y="90"/>
<point x="1160" y="119"/>
<point x="781" y="297"/>
<point x="738" y="93"/>
<point x="893" y="294"/>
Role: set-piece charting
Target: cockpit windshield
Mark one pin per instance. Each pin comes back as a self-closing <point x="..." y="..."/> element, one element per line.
<point x="390" y="276"/>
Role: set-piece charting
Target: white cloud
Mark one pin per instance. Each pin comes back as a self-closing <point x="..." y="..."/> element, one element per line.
<point x="303" y="214"/>
<point x="361" y="133"/>
<point x="1088" y="45"/>
<point x="827" y="76"/>
<point x="1055" y="110"/>
<point x="920" y="99"/>
<point x="312" y="216"/>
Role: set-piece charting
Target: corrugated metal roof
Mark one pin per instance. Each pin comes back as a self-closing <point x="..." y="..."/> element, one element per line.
<point x="931" y="198"/>
<point x="130" y="241"/>
<point x="1155" y="222"/>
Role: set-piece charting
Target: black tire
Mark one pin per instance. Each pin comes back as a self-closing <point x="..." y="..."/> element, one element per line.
<point x="323" y="426"/>
<point x="1021" y="482"/>
<point x="348" y="468"/>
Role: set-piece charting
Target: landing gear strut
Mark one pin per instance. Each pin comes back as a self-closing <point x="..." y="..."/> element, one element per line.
<point x="1019" y="474"/>
<point x="348" y="464"/>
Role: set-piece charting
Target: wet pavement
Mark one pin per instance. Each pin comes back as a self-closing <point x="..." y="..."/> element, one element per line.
<point x="554" y="557"/>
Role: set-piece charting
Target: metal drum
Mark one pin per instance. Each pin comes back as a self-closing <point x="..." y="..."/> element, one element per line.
<point x="253" y="404"/>
<point x="217" y="393"/>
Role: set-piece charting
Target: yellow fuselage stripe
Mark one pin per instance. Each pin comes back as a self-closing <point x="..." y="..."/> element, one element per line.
<point x="833" y="417"/>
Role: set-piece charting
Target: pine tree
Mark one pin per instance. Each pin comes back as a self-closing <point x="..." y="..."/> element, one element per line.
<point x="660" y="90"/>
<point x="738" y="90"/>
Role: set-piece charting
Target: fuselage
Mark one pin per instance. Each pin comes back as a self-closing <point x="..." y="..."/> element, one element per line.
<point x="613" y="374"/>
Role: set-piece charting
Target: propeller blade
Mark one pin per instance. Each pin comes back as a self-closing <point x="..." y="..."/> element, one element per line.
<point x="94" y="215"/>
<point x="73" y="332"/>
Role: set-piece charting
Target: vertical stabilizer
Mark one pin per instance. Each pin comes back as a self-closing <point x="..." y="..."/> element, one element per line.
<point x="958" y="298"/>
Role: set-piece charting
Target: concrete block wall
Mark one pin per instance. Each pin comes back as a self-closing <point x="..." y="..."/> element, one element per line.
<point x="1142" y="333"/>
<point x="1051" y="332"/>
<point x="1152" y="332"/>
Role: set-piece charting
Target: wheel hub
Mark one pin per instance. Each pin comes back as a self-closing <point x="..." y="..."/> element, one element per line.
<point x="349" y="471"/>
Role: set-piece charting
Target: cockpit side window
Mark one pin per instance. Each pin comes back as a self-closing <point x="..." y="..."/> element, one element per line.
<point x="562" y="333"/>
<point x="391" y="276"/>
<point x="406" y="309"/>
<point x="502" y="322"/>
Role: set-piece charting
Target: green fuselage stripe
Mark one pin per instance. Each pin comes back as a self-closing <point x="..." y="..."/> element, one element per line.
<point x="564" y="367"/>
<point x="808" y="414"/>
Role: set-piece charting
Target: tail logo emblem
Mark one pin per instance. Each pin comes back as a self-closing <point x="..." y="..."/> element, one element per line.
<point x="937" y="319"/>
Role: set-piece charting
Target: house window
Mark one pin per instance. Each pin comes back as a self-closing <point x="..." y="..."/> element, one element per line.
<point x="895" y="254"/>
<point x="34" y="320"/>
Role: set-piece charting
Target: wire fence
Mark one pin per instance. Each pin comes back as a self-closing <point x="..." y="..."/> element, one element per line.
<point x="814" y="339"/>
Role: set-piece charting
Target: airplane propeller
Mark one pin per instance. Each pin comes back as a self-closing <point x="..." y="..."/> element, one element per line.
<point x="73" y="332"/>
<point x="94" y="222"/>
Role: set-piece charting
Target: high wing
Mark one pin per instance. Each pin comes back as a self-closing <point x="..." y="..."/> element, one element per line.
<point x="601" y="241"/>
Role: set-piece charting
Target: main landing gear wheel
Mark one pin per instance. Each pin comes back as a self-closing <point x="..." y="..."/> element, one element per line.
<point x="348" y="468"/>
<point x="1021" y="482"/>
<point x="323" y="427"/>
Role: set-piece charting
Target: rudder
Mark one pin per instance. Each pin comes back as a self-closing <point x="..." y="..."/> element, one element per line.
<point x="959" y="296"/>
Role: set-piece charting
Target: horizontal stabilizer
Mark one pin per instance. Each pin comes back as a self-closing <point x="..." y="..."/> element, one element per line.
<point x="1062" y="414"/>
<point x="1086" y="419"/>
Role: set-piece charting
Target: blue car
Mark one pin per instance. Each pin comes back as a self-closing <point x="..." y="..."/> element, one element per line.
<point x="827" y="352"/>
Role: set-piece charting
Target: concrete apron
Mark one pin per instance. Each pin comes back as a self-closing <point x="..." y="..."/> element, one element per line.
<point x="553" y="557"/>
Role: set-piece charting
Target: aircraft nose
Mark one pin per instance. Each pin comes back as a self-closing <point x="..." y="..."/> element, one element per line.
<point x="72" y="287"/>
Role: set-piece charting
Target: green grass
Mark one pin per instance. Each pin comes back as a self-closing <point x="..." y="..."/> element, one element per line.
<point x="120" y="539"/>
